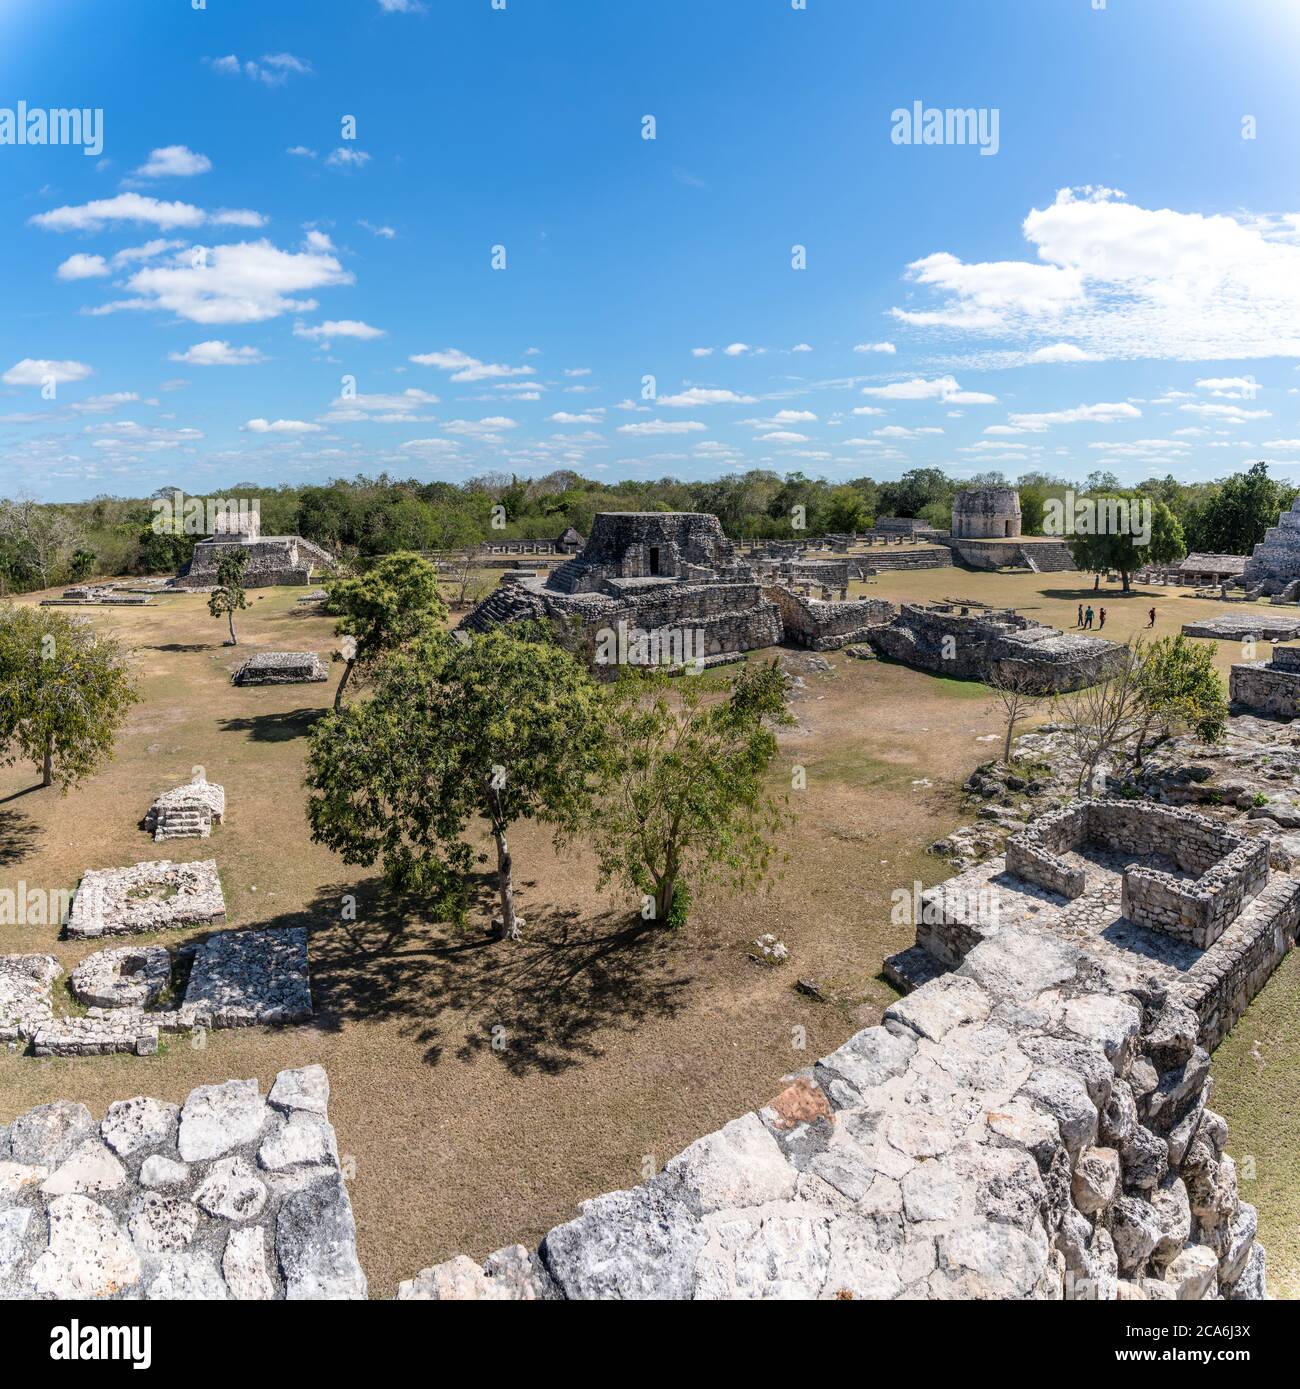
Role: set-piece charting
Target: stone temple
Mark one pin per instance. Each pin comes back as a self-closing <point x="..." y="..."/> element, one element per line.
<point x="986" y="513"/>
<point x="674" y="575"/>
<point x="1274" y="567"/>
<point x="272" y="559"/>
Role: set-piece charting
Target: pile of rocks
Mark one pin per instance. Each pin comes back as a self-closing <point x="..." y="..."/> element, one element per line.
<point x="1012" y="1130"/>
<point x="147" y="897"/>
<point x="232" y="1195"/>
<point x="281" y="668"/>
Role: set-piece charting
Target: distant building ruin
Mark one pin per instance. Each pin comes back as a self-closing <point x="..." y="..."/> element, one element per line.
<point x="986" y="513"/>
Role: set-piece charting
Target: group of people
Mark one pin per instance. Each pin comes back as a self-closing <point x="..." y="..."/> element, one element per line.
<point x="1086" y="615"/>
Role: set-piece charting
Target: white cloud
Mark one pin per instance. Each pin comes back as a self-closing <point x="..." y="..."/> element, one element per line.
<point x="149" y="251"/>
<point x="564" y="417"/>
<point x="463" y="367"/>
<point x="783" y="436"/>
<point x="218" y="354"/>
<point x="886" y="347"/>
<point x="36" y="371"/>
<point x="868" y="410"/>
<point x="247" y="282"/>
<point x="401" y="6"/>
<point x="174" y="161"/>
<point x="338" y="328"/>
<point x="1126" y="282"/>
<point x="1230" y="387"/>
<point x="281" y="427"/>
<point x="702" y="352"/>
<point x="485" y="428"/>
<point x="577" y="371"/>
<point x="801" y="347"/>
<point x="274" y="69"/>
<point x="399" y="408"/>
<point x="346" y="158"/>
<point x="737" y="349"/>
<point x="1102" y="413"/>
<point x="697" y="395"/>
<point x="386" y="233"/>
<point x="896" y="431"/>
<point x="1062" y="352"/>
<point x="1281" y="444"/>
<point x="82" y="267"/>
<point x="650" y="427"/>
<point x="1233" y="414"/>
<point x="136" y="207"/>
<point x="944" y="388"/>
<point x="301" y="152"/>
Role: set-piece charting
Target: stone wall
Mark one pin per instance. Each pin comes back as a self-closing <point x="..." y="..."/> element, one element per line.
<point x="885" y="562"/>
<point x="824" y="626"/>
<point x="1013" y="1130"/>
<point x="1265" y="688"/>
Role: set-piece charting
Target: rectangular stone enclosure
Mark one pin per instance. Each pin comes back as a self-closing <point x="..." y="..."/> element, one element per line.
<point x="1221" y="871"/>
<point x="146" y="897"/>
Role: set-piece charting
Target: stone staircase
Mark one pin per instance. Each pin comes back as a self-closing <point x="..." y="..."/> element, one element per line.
<point x="183" y="821"/>
<point x="564" y="577"/>
<point x="507" y="603"/>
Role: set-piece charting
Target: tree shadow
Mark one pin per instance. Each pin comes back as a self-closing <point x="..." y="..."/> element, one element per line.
<point x="274" y="728"/>
<point x="183" y="647"/>
<point x="18" y="834"/>
<point x="540" y="1004"/>
<point x="1108" y="592"/>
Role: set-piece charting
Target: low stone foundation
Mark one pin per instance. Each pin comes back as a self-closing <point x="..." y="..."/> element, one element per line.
<point x="1272" y="687"/>
<point x="246" y="977"/>
<point x="132" y="976"/>
<point x="1254" y="624"/>
<point x="147" y="897"/>
<point x="25" y="1003"/>
<point x="281" y="668"/>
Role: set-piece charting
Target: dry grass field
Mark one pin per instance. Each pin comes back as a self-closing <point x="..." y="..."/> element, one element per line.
<point x="483" y="1088"/>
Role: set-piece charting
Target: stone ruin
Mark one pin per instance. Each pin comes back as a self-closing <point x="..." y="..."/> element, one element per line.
<point x="281" y="668"/>
<point x="1268" y="687"/>
<point x="187" y="812"/>
<point x="99" y="596"/>
<point x="822" y="625"/>
<point x="1274" y="565"/>
<point x="673" y="574"/>
<point x="146" y="897"/>
<point x="232" y="1195"/>
<point x="241" y="978"/>
<point x="1021" y="1128"/>
<point x="272" y="560"/>
<point x="986" y="513"/>
<point x="1246" y="626"/>
<point x="992" y="645"/>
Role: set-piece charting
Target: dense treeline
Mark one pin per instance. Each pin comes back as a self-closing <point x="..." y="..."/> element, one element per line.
<point x="43" y="545"/>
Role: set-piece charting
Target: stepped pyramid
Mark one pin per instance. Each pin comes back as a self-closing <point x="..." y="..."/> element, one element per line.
<point x="1276" y="560"/>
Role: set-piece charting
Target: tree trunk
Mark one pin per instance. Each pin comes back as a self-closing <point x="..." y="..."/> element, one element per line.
<point x="230" y="617"/>
<point x="1096" y="581"/>
<point x="338" y="694"/>
<point x="1124" y="574"/>
<point x="510" y="924"/>
<point x="47" y="766"/>
<point x="664" y="900"/>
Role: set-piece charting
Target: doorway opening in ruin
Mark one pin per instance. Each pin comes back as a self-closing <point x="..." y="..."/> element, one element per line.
<point x="654" y="561"/>
<point x="1008" y="527"/>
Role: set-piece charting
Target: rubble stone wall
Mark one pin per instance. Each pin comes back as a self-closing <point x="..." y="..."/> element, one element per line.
<point x="824" y="626"/>
<point x="1015" y="1129"/>
<point x="1265" y="688"/>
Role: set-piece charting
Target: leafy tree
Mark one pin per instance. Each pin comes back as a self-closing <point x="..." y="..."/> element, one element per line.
<point x="1110" y="548"/>
<point x="81" y="566"/>
<point x="688" y="795"/>
<point x="392" y="603"/>
<point x="64" y="693"/>
<point x="845" y="510"/>
<point x="228" y="596"/>
<point x="1178" y="687"/>
<point x="503" y="728"/>
<point x="41" y="537"/>
<point x="1233" y="519"/>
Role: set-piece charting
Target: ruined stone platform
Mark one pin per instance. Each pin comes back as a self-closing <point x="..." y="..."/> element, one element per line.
<point x="131" y="976"/>
<point x="234" y="1195"/>
<point x="147" y="897"/>
<point x="248" y="977"/>
<point x="187" y="812"/>
<point x="281" y="668"/>
<point x="1259" y="624"/>
<point x="25" y="1003"/>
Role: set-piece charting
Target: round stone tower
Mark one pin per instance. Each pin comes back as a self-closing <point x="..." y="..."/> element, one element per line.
<point x="986" y="513"/>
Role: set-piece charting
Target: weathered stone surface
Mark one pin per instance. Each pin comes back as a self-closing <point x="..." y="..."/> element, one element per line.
<point x="1136" y="1232"/>
<point x="159" y="1224"/>
<point x="934" y="1011"/>
<point x="14" y="1225"/>
<point x="87" y="1255"/>
<point x="189" y="1277"/>
<point x="315" y="1242"/>
<point x="1096" y="1180"/>
<point x="146" y="897"/>
<point x="1173" y="1215"/>
<point x="15" y="1176"/>
<point x="869" y="1058"/>
<point x="159" y="1171"/>
<point x="1065" y="1097"/>
<point x="739" y="1165"/>
<point x="248" y="977"/>
<point x="304" y="1140"/>
<point x="25" y="1002"/>
<point x="91" y="1169"/>
<point x="1193" y="1273"/>
<point x="132" y="1126"/>
<point x="626" y="1244"/>
<point x="307" y="1088"/>
<point x="45" y="1136"/>
<point x="244" y="1265"/>
<point x="232" y="1190"/>
<point x="217" y="1118"/>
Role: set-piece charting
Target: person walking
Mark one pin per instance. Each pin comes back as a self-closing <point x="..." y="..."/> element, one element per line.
<point x="1151" y="618"/>
<point x="1087" y="616"/>
<point x="1080" y="621"/>
<point x="1102" y="623"/>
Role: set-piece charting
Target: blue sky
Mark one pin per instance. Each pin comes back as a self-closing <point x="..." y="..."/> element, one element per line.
<point x="233" y="290"/>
